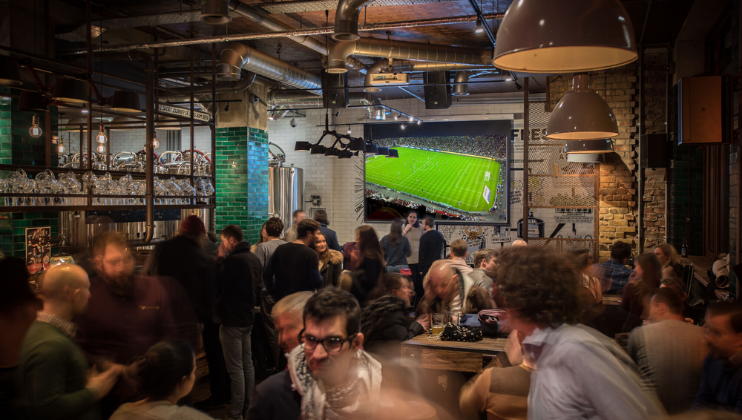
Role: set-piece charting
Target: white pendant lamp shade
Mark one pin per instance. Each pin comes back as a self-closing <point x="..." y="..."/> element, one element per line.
<point x="552" y="36"/>
<point x="172" y="124"/>
<point x="581" y="115"/>
<point x="588" y="147"/>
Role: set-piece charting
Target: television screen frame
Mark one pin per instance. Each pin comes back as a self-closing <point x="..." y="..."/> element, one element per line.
<point x="379" y="131"/>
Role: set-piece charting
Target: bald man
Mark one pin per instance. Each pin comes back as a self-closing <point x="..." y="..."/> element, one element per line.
<point x="56" y="384"/>
<point x="519" y="242"/>
<point x="448" y="289"/>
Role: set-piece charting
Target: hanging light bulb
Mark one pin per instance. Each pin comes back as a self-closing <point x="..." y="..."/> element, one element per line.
<point x="60" y="149"/>
<point x="84" y="108"/>
<point x="349" y="132"/>
<point x="101" y="137"/>
<point x="101" y="148"/>
<point x="155" y="143"/>
<point x="35" y="131"/>
<point x="479" y="29"/>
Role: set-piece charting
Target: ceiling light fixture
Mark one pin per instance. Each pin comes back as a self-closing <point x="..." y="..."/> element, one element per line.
<point x="546" y="36"/>
<point x="60" y="149"/>
<point x="71" y="90"/>
<point x="77" y="123"/>
<point x="411" y="119"/>
<point x="10" y="74"/>
<point x="403" y="126"/>
<point x="84" y="109"/>
<point x="101" y="148"/>
<point x="371" y="149"/>
<point x="382" y="151"/>
<point x="479" y="28"/>
<point x="127" y="127"/>
<point x="357" y="145"/>
<point x="349" y="132"/>
<point x="586" y="158"/>
<point x="581" y="114"/>
<point x="101" y="136"/>
<point x="588" y="146"/>
<point x="396" y="117"/>
<point x="155" y="143"/>
<point x="35" y="131"/>
<point x="419" y="122"/>
<point x="125" y="101"/>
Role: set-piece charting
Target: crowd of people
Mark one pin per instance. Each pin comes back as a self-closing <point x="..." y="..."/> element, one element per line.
<point x="118" y="341"/>
<point x="492" y="146"/>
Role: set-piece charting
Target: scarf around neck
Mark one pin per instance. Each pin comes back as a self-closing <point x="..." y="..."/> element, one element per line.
<point x="350" y="400"/>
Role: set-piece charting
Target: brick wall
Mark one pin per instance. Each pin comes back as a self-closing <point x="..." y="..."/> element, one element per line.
<point x="619" y="175"/>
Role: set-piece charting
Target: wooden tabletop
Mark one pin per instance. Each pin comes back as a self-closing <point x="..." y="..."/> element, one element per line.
<point x="487" y="345"/>
<point x="450" y="355"/>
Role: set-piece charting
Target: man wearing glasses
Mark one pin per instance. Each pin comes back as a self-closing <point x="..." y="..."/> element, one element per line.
<point x="335" y="378"/>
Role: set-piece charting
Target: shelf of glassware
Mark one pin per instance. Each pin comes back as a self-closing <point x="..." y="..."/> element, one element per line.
<point x="135" y="174"/>
<point x="56" y="207"/>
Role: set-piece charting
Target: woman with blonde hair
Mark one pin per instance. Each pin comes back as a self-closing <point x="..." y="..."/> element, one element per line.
<point x="670" y="261"/>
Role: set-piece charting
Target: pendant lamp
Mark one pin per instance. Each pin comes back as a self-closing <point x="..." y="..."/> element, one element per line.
<point x="10" y="75"/>
<point x="549" y="36"/>
<point x="77" y="122"/>
<point x="71" y="91"/>
<point x="581" y="114"/>
<point x="125" y="101"/>
<point x="371" y="149"/>
<point x="302" y="146"/>
<point x="587" y="147"/>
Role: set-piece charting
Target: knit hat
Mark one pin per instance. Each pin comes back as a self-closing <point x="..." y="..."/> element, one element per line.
<point x="193" y="225"/>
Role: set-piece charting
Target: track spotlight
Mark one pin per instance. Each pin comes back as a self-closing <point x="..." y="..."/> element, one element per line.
<point x="349" y="132"/>
<point x="84" y="109"/>
<point x="479" y="29"/>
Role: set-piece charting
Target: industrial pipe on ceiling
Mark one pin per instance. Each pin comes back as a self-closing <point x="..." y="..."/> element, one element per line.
<point x="246" y="80"/>
<point x="461" y="88"/>
<point x="254" y="15"/>
<point x="239" y="56"/>
<point x="409" y="66"/>
<point x="373" y="47"/>
<point x="346" y="19"/>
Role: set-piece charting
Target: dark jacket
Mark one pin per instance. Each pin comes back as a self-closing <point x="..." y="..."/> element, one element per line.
<point x="236" y="287"/>
<point x="331" y="269"/>
<point x="366" y="278"/>
<point x="275" y="399"/>
<point x="432" y="245"/>
<point x="386" y="324"/>
<point x="184" y="260"/>
<point x="331" y="237"/>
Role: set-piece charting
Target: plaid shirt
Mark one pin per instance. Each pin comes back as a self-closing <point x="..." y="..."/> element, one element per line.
<point x="66" y="327"/>
<point x="613" y="276"/>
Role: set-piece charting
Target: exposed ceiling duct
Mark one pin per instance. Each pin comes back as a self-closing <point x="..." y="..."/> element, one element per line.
<point x="246" y="80"/>
<point x="373" y="47"/>
<point x="215" y="12"/>
<point x="254" y="15"/>
<point x="346" y="19"/>
<point x="239" y="56"/>
<point x="280" y="99"/>
<point x="462" y="76"/>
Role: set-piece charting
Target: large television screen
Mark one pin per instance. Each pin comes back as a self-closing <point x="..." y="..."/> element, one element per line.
<point x="456" y="178"/>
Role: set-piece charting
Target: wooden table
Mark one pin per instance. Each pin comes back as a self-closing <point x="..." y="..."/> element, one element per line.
<point x="450" y="355"/>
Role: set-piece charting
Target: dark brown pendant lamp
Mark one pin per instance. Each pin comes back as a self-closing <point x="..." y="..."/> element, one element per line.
<point x="552" y="36"/>
<point x="581" y="114"/>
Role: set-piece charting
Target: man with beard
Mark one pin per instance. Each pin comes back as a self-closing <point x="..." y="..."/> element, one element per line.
<point x="128" y="314"/>
<point x="336" y="379"/>
<point x="450" y="290"/>
<point x="294" y="267"/>
<point x="721" y="384"/>
<point x="485" y="264"/>
<point x="275" y="398"/>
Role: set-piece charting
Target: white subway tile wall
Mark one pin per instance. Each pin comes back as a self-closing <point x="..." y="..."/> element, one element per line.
<point x="133" y="140"/>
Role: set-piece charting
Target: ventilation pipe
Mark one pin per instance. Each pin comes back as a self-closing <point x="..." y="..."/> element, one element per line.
<point x="246" y="80"/>
<point x="269" y="22"/>
<point x="407" y="66"/>
<point x="239" y="56"/>
<point x="215" y="12"/>
<point x="461" y="77"/>
<point x="380" y="66"/>
<point x="346" y="19"/>
<point x="373" y="47"/>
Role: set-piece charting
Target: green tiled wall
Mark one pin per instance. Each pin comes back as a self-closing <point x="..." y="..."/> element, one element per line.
<point x="242" y="179"/>
<point x="17" y="147"/>
<point x="257" y="182"/>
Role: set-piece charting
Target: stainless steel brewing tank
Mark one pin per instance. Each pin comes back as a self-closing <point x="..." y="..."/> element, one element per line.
<point x="286" y="192"/>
